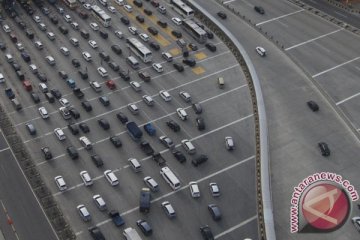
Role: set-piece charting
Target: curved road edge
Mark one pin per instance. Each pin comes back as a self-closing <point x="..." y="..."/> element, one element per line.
<point x="265" y="208"/>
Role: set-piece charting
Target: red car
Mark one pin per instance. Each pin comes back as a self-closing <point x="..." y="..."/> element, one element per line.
<point x="155" y="3"/>
<point x="27" y="85"/>
<point x="111" y="84"/>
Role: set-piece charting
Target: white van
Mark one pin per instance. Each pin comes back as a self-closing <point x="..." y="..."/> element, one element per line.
<point x="85" y="142"/>
<point x="134" y="163"/>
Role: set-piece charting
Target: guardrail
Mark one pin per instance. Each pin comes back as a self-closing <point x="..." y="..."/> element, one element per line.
<point x="53" y="212"/>
<point x="263" y="183"/>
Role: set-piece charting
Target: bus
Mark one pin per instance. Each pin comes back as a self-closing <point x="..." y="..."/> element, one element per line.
<point x="194" y="30"/>
<point x="72" y="4"/>
<point x="184" y="10"/>
<point x="139" y="49"/>
<point x="170" y="178"/>
<point x="101" y="16"/>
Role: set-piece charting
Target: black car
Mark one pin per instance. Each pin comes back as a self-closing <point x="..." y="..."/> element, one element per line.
<point x="104" y="56"/>
<point x="209" y="34"/>
<point x="63" y="74"/>
<point x="83" y="74"/>
<point x="124" y="75"/>
<point x="35" y="97"/>
<point x="324" y="148"/>
<point x="214" y="211"/>
<point x="222" y="15"/>
<point x="179" y="67"/>
<point x="206" y="233"/>
<point x="190" y="62"/>
<point x="97" y="160"/>
<point x="140" y="18"/>
<point x="74" y="113"/>
<point x="115" y="140"/>
<point x="138" y="3"/>
<point x="104" y="100"/>
<point x="2" y="46"/>
<point x="179" y="156"/>
<point x="193" y="47"/>
<point x="54" y="19"/>
<point x="104" y="123"/>
<point x="259" y="9"/>
<point x="144" y="76"/>
<point x="153" y="31"/>
<point x="162" y="24"/>
<point x="122" y="117"/>
<point x="84" y="127"/>
<point x="86" y="105"/>
<point x="154" y="45"/>
<point x="148" y="12"/>
<point x="199" y="160"/>
<point x="16" y="66"/>
<point x="75" y="62"/>
<point x="211" y="47"/>
<point x="125" y="20"/>
<point x="144" y="227"/>
<point x="47" y="153"/>
<point x="116" y="49"/>
<point x="74" y="129"/>
<point x="114" y="66"/>
<point x="56" y="93"/>
<point x="96" y="233"/>
<point x="103" y="34"/>
<point x="313" y="106"/>
<point x="176" y="33"/>
<point x="173" y="125"/>
<point x="200" y="123"/>
<point x="73" y="153"/>
<point x="197" y="108"/>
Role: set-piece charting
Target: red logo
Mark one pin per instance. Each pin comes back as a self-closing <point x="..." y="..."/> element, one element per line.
<point x="325" y="207"/>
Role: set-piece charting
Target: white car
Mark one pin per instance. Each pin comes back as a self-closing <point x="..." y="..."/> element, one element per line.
<point x="119" y="34"/>
<point x="50" y="60"/>
<point x="33" y="68"/>
<point x="6" y="28"/>
<point x="120" y="2"/>
<point x="168" y="208"/>
<point x="94" y="26"/>
<point x="19" y="46"/>
<point x="2" y="79"/>
<point x="112" y="179"/>
<point x="36" y="18"/>
<point x="144" y="37"/>
<point x="133" y="108"/>
<point x="128" y="8"/>
<point x="87" y="6"/>
<point x="75" y="25"/>
<point x="65" y="51"/>
<point x="229" y="143"/>
<point x="151" y="183"/>
<point x="186" y="96"/>
<point x="85" y="176"/>
<point x="261" y="51"/>
<point x="84" y="213"/>
<point x="194" y="189"/>
<point x="67" y="18"/>
<point x="65" y="113"/>
<point x="39" y="44"/>
<point x="158" y="67"/>
<point x="43" y="112"/>
<point x="60" y="183"/>
<point x="214" y="189"/>
<point x="135" y="85"/>
<point x="43" y="88"/>
<point x="133" y="30"/>
<point x="112" y="9"/>
<point x="165" y="95"/>
<point x="59" y="133"/>
<point x="182" y="113"/>
<point x="64" y="102"/>
<point x="356" y="222"/>
<point x="102" y="71"/>
<point x="50" y="35"/>
<point x="96" y="86"/>
<point x="148" y="100"/>
<point x="176" y="20"/>
<point x="87" y="56"/>
<point x="93" y="44"/>
<point x="74" y="41"/>
<point x="99" y="202"/>
<point x="42" y="26"/>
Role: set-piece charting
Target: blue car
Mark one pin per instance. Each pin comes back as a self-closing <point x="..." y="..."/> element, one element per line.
<point x="150" y="129"/>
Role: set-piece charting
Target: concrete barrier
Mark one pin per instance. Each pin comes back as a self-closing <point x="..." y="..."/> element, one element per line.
<point x="263" y="183"/>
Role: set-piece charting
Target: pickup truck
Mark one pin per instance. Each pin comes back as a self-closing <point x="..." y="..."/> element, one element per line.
<point x="149" y="128"/>
<point x="134" y="131"/>
<point x="146" y="148"/>
<point x="116" y="218"/>
<point x="78" y="93"/>
<point x="159" y="159"/>
<point x="9" y="93"/>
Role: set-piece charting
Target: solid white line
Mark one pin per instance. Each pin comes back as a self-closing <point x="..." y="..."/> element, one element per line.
<point x="226" y="2"/>
<point x="182" y="188"/>
<point x="347" y="99"/>
<point x="311" y="40"/>
<point x="282" y="16"/>
<point x="2" y="150"/>
<point x="236" y="226"/>
<point x="337" y="66"/>
<point x="163" y="151"/>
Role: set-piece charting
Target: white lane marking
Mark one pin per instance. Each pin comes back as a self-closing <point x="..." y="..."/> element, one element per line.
<point x="226" y="2"/>
<point x="282" y="16"/>
<point x="340" y="14"/>
<point x="236" y="226"/>
<point x="124" y="106"/>
<point x="337" y="66"/>
<point x="163" y="151"/>
<point x="4" y="149"/>
<point x="347" y="99"/>
<point x="182" y="188"/>
<point x="313" y="39"/>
